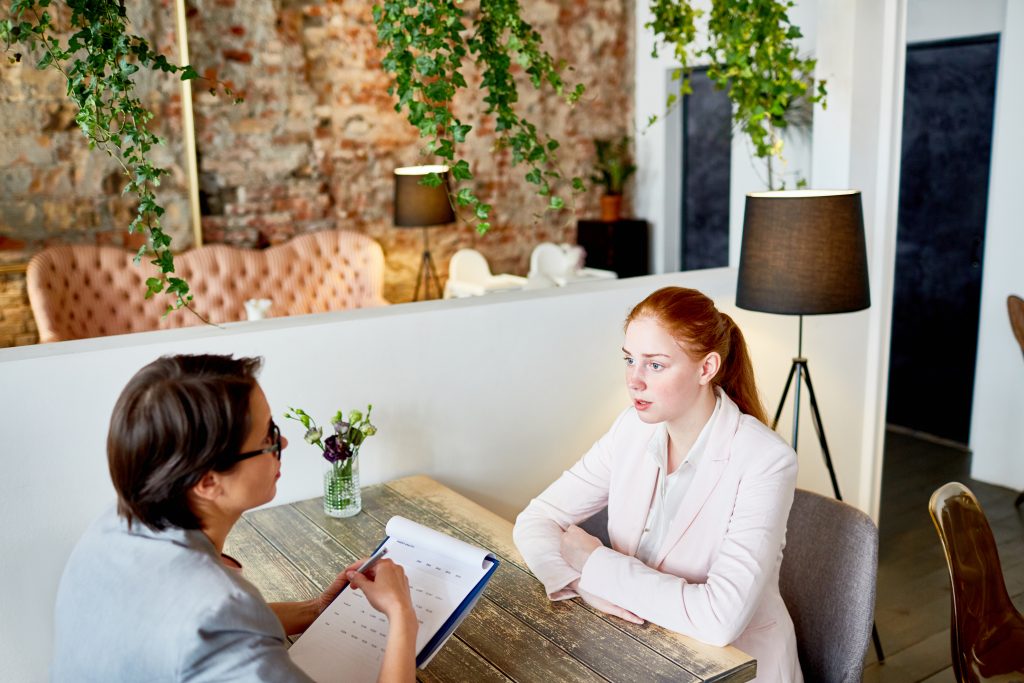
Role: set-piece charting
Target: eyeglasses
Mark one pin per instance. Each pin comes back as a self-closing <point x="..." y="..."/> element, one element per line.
<point x="274" y="447"/>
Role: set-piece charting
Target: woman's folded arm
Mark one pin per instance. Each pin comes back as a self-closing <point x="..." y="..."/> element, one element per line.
<point x="717" y="610"/>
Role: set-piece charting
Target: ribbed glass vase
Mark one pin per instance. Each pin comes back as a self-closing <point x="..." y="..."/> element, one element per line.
<point x="342" y="497"/>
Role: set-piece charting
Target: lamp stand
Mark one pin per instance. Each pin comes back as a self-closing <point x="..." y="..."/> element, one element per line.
<point x="427" y="272"/>
<point x="800" y="370"/>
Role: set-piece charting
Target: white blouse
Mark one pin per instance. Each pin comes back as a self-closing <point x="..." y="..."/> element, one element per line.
<point x="670" y="489"/>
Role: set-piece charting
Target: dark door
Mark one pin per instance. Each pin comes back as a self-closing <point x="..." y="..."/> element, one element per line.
<point x="707" y="145"/>
<point x="947" y="140"/>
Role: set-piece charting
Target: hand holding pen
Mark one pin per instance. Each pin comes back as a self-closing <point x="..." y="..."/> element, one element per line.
<point x="343" y="579"/>
<point x="388" y="590"/>
<point x="365" y="566"/>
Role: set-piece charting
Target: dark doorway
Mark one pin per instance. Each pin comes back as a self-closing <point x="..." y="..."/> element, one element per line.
<point x="707" y="144"/>
<point x="947" y="140"/>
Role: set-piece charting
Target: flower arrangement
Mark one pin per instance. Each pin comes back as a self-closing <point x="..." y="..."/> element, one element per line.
<point x="341" y="482"/>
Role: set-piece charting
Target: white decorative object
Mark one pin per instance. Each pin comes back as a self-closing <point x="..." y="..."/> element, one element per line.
<point x="257" y="309"/>
<point x="563" y="264"/>
<point x="470" y="275"/>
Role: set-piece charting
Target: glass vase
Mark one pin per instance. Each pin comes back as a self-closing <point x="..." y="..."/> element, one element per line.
<point x="341" y="488"/>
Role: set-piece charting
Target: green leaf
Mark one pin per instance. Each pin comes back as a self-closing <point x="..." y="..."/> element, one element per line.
<point x="459" y="132"/>
<point x="154" y="285"/>
<point x="460" y="171"/>
<point x="431" y="180"/>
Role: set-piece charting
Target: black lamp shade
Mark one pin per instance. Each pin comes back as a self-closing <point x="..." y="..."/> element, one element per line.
<point x="419" y="205"/>
<point x="803" y="253"/>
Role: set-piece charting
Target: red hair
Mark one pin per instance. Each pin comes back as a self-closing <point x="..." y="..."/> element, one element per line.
<point x="700" y="328"/>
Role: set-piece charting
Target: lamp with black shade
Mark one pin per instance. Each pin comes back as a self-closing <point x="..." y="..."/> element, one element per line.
<point x="803" y="253"/>
<point x="421" y="206"/>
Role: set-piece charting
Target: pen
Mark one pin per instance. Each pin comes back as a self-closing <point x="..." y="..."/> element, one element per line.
<point x="370" y="561"/>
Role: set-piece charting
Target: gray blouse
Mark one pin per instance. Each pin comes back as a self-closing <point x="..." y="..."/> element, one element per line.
<point x="143" y="605"/>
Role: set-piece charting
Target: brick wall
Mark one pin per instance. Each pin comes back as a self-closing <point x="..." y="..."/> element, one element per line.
<point x="17" y="327"/>
<point x="315" y="142"/>
<point x="54" y="189"/>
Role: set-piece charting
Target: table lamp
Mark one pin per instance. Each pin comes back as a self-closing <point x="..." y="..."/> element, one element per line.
<point x="421" y="206"/>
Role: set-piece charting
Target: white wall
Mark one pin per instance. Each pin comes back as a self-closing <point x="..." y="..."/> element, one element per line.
<point x="929" y="20"/>
<point x="857" y="145"/>
<point x="997" y="420"/>
<point x="493" y="398"/>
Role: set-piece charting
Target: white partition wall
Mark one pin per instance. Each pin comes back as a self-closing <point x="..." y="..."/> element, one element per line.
<point x="493" y="397"/>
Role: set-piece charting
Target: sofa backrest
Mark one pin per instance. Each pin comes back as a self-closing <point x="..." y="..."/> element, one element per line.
<point x="80" y="291"/>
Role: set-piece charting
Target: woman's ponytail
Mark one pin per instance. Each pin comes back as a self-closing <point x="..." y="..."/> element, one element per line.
<point x="737" y="375"/>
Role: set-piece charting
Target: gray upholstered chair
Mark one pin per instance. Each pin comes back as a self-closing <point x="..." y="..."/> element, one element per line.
<point x="598" y="526"/>
<point x="827" y="581"/>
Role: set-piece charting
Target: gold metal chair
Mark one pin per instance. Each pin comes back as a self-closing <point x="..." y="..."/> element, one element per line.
<point x="987" y="630"/>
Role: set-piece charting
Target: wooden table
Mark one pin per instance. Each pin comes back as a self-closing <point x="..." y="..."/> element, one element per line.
<point x="514" y="634"/>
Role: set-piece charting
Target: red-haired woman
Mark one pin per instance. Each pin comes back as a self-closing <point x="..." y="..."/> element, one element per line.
<point x="698" y="492"/>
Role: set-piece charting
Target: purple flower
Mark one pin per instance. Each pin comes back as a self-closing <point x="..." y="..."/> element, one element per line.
<point x="335" y="450"/>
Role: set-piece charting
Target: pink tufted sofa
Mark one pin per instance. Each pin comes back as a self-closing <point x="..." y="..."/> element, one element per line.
<point x="79" y="291"/>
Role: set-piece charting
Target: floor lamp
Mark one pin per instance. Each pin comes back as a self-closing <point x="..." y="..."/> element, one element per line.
<point x="420" y="205"/>
<point x="803" y="254"/>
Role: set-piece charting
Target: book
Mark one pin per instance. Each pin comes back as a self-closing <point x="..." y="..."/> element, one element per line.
<point x="446" y="578"/>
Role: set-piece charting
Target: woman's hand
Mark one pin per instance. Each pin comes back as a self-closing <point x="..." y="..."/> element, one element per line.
<point x="385" y="586"/>
<point x="387" y="590"/>
<point x="605" y="606"/>
<point x="577" y="545"/>
<point x="332" y="591"/>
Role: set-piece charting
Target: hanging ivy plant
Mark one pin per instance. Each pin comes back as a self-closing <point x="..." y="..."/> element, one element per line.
<point x="428" y="44"/>
<point x="98" y="57"/>
<point x="752" y="55"/>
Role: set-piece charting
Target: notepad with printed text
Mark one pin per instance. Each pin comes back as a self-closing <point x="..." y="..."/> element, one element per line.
<point x="446" y="577"/>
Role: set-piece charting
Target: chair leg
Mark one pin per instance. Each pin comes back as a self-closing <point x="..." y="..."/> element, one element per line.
<point x="878" y="643"/>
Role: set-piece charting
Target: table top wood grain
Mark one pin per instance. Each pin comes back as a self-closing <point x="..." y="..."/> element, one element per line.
<point x="514" y="633"/>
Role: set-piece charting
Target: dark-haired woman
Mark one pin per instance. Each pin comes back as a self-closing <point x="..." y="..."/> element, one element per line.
<point x="698" y="492"/>
<point x="148" y="594"/>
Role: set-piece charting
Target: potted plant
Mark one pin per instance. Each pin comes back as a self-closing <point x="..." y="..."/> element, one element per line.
<point x="612" y="169"/>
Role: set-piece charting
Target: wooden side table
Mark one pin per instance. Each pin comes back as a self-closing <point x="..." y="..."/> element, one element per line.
<point x="622" y="246"/>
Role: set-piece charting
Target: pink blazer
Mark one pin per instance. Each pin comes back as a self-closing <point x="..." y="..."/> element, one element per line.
<point x="716" y="578"/>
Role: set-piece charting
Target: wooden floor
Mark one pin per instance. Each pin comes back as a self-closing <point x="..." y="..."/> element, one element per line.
<point x="913" y="609"/>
